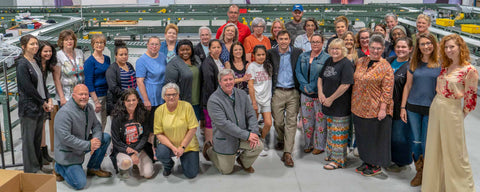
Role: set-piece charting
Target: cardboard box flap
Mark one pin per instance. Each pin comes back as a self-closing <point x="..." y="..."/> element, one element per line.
<point x="38" y="183"/>
<point x="9" y="180"/>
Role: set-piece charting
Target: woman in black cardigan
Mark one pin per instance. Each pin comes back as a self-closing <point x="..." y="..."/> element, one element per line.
<point x="32" y="104"/>
<point x="209" y="70"/>
<point x="130" y="146"/>
<point x="121" y="67"/>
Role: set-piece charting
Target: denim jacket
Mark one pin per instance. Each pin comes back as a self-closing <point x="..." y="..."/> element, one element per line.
<point x="301" y="71"/>
<point x="164" y="47"/>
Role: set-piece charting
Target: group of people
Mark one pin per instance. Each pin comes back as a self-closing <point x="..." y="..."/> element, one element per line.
<point x="381" y="91"/>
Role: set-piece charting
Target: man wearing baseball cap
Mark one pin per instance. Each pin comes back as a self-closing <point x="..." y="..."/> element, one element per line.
<point x="295" y="26"/>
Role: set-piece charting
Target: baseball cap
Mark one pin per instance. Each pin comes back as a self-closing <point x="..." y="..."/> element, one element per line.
<point x="297" y="7"/>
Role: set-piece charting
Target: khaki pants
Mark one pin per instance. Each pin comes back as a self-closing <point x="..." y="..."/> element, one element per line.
<point x="225" y="163"/>
<point x="446" y="166"/>
<point x="102" y="115"/>
<point x="285" y="105"/>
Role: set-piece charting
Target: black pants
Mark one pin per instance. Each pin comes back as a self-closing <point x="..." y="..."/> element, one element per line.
<point x="31" y="141"/>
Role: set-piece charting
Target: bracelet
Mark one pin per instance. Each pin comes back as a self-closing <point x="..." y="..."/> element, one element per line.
<point x="402" y="107"/>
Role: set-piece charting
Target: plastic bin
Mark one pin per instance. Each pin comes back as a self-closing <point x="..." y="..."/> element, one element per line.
<point x="445" y="22"/>
<point x="470" y="28"/>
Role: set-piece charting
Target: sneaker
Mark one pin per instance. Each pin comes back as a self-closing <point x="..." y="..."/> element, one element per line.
<point x="371" y="171"/>
<point x="123" y="174"/>
<point x="355" y="152"/>
<point x="264" y="153"/>
<point x="361" y="168"/>
<point x="395" y="168"/>
<point x="166" y="172"/>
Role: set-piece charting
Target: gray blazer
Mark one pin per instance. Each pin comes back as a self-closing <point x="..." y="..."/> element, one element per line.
<point x="232" y="120"/>
<point x="72" y="129"/>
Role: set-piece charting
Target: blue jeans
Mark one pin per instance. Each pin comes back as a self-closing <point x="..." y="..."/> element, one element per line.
<point x="74" y="174"/>
<point x="189" y="160"/>
<point x="418" y="124"/>
<point x="401" y="143"/>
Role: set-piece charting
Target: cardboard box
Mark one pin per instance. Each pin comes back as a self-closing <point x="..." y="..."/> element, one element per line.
<point x="17" y="181"/>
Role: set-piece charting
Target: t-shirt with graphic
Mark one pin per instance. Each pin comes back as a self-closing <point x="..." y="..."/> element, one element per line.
<point x="133" y="131"/>
<point x="262" y="83"/>
<point x="334" y="74"/>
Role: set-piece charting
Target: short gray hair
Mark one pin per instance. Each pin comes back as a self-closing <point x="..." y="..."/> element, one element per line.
<point x="204" y="28"/>
<point x="376" y="38"/>
<point x="225" y="72"/>
<point x="170" y="86"/>
<point x="391" y="15"/>
<point x="257" y="21"/>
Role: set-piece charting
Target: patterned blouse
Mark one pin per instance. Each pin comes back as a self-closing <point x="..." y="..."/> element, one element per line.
<point x="71" y="72"/>
<point x="373" y="85"/>
<point x="461" y="83"/>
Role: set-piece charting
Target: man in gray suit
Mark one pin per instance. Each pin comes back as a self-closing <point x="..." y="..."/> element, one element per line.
<point x="73" y="124"/>
<point x="235" y="127"/>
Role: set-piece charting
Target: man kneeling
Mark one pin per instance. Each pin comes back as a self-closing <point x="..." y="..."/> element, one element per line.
<point x="234" y="125"/>
<point x="73" y="124"/>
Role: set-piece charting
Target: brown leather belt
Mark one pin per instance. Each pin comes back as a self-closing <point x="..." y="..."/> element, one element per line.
<point x="285" y="89"/>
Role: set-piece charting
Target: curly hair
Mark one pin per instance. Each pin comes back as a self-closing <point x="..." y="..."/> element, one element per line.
<point x="310" y="19"/>
<point x="120" y="111"/>
<point x="464" y="55"/>
<point x="189" y="44"/>
<point x="52" y="61"/>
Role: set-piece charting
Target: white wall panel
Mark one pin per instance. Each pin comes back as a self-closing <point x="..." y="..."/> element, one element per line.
<point x="29" y="2"/>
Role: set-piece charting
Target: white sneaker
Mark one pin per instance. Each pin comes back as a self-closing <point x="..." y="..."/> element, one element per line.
<point x="355" y="152"/>
<point x="264" y="153"/>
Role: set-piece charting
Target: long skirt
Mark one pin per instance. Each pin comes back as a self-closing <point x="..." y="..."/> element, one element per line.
<point x="314" y="124"/>
<point x="373" y="139"/>
<point x="446" y="166"/>
<point x="337" y="138"/>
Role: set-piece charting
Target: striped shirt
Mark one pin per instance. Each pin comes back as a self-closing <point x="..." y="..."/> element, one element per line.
<point x="128" y="78"/>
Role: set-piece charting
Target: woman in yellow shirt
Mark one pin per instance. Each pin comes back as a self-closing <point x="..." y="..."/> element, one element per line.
<point x="175" y="125"/>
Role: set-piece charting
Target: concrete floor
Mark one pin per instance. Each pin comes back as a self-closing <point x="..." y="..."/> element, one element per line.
<point x="270" y="174"/>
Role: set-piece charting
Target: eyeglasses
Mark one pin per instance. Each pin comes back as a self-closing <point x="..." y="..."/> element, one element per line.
<point x="232" y="12"/>
<point x="334" y="49"/>
<point x="154" y="44"/>
<point x="426" y="44"/>
<point x="171" y="95"/>
<point x="99" y="43"/>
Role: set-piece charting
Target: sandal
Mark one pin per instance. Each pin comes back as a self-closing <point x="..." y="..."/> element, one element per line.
<point x="332" y="166"/>
<point x="308" y="150"/>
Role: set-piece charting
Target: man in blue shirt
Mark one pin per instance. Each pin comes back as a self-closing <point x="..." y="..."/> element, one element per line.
<point x="286" y="98"/>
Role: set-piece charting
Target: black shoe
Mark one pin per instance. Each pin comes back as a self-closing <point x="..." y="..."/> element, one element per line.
<point x="45" y="154"/>
<point x="279" y="146"/>
<point x="371" y="171"/>
<point x="167" y="172"/>
<point x="361" y="168"/>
